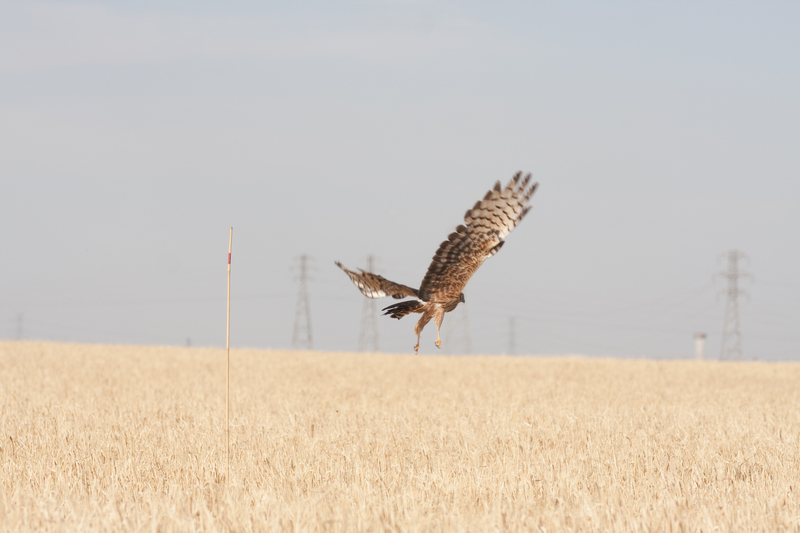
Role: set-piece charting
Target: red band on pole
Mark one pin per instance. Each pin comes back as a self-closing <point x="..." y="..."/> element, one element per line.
<point x="229" y="259"/>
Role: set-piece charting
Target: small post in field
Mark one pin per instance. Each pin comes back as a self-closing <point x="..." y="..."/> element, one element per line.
<point x="228" y="370"/>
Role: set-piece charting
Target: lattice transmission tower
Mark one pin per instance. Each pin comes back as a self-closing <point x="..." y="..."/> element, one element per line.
<point x="731" y="349"/>
<point x="302" y="337"/>
<point x="368" y="337"/>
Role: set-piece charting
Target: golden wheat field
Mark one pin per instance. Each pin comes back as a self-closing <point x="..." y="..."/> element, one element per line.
<point x="123" y="438"/>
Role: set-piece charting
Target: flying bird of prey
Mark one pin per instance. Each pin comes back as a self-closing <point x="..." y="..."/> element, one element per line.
<point x="481" y="236"/>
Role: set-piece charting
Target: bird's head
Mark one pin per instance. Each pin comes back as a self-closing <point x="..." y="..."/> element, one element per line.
<point x="461" y="298"/>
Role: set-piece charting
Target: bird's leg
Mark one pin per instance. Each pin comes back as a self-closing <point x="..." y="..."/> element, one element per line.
<point x="438" y="320"/>
<point x="426" y="317"/>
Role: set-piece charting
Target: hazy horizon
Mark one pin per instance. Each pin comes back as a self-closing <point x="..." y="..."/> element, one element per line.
<point x="133" y="135"/>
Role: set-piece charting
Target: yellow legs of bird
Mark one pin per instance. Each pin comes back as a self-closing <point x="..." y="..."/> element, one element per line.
<point x="438" y="318"/>
<point x="424" y="319"/>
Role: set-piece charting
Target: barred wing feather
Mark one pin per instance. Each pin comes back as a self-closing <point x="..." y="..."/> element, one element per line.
<point x="375" y="286"/>
<point x="481" y="236"/>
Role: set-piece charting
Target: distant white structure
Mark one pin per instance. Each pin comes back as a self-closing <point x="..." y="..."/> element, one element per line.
<point x="699" y="346"/>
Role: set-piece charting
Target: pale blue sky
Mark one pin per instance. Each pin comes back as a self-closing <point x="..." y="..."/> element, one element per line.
<point x="133" y="134"/>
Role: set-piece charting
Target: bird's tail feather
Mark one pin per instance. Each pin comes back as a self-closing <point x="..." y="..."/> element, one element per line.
<point x="401" y="309"/>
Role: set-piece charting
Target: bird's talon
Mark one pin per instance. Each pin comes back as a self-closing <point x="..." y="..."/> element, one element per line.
<point x="439" y="344"/>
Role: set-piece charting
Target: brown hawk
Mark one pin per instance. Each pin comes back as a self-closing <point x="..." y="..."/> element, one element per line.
<point x="481" y="236"/>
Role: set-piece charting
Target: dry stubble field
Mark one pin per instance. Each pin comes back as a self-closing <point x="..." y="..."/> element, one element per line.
<point x="108" y="438"/>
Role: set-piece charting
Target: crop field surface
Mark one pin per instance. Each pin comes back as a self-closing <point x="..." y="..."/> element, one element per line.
<point x="132" y="438"/>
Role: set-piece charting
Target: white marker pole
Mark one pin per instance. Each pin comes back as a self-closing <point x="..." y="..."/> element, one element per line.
<point x="228" y="370"/>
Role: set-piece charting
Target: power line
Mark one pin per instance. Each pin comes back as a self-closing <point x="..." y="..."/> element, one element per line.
<point x="302" y="337"/>
<point x="731" y="348"/>
<point x="368" y="336"/>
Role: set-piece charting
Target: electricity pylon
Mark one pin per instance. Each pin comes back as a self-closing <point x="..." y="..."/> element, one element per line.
<point x="302" y="338"/>
<point x="731" y="348"/>
<point x="368" y="337"/>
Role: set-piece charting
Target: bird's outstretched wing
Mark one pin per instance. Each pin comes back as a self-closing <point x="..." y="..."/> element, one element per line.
<point x="480" y="237"/>
<point x="375" y="286"/>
